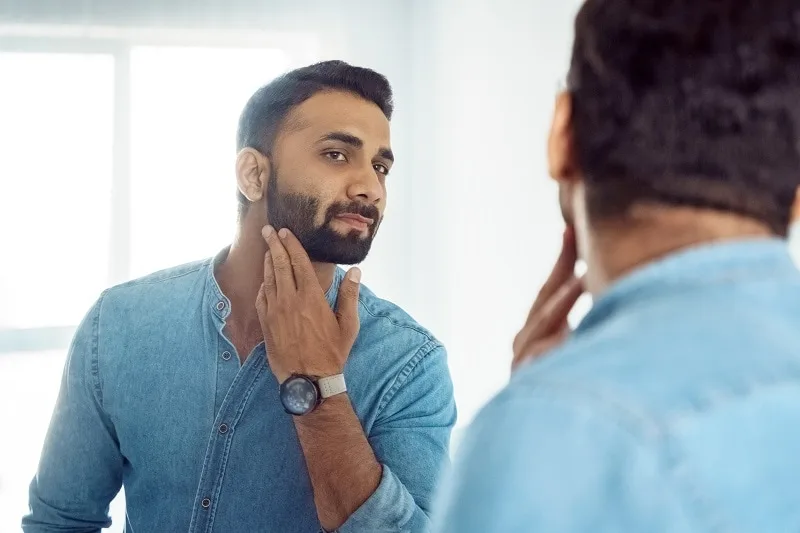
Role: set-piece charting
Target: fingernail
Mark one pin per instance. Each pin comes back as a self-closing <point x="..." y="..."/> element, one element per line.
<point x="355" y="275"/>
<point x="283" y="233"/>
<point x="266" y="231"/>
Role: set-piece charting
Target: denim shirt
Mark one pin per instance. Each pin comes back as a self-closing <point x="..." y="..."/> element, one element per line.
<point x="675" y="407"/>
<point x="154" y="398"/>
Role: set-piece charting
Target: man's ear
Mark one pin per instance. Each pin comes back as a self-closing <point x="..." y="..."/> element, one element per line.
<point x="796" y="207"/>
<point x="252" y="173"/>
<point x="561" y="160"/>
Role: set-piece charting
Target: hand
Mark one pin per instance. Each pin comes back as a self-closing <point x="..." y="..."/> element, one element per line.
<point x="547" y="325"/>
<point x="301" y="332"/>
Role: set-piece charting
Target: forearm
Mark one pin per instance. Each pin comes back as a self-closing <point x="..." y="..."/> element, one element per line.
<point x="343" y="468"/>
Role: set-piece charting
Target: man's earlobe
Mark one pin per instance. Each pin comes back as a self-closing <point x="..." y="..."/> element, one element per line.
<point x="252" y="173"/>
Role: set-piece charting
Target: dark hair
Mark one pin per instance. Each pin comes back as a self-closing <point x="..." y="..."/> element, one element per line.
<point x="266" y="111"/>
<point x="688" y="103"/>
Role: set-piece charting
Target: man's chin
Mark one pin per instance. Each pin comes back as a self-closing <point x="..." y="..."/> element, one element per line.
<point x="340" y="255"/>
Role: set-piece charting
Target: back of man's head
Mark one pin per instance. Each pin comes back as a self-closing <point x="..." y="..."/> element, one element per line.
<point x="690" y="103"/>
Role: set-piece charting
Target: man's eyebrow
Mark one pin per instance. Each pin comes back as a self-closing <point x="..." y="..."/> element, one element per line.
<point x="341" y="136"/>
<point x="386" y="153"/>
<point x="355" y="142"/>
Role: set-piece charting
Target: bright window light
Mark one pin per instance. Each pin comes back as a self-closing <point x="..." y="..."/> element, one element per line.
<point x="56" y="132"/>
<point x="185" y="107"/>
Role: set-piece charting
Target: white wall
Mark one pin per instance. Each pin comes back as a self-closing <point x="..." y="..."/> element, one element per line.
<point x="486" y="224"/>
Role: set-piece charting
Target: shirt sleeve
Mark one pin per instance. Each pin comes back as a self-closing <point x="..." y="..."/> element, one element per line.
<point x="537" y="462"/>
<point x="80" y="469"/>
<point x="411" y="440"/>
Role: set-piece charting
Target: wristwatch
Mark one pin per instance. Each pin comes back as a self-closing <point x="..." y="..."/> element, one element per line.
<point x="301" y="394"/>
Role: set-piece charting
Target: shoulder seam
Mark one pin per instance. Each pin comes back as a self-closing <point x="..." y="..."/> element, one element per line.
<point x="148" y="281"/>
<point x="411" y="326"/>
<point x="402" y="376"/>
<point x="95" y="362"/>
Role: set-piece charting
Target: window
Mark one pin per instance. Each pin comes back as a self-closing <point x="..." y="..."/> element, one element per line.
<point x="55" y="137"/>
<point x="116" y="161"/>
<point x="185" y="104"/>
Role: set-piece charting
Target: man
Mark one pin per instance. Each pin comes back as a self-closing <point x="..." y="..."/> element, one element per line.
<point x="675" y="405"/>
<point x="169" y="390"/>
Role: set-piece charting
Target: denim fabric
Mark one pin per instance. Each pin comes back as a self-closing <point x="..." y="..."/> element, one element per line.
<point x="154" y="398"/>
<point x="675" y="407"/>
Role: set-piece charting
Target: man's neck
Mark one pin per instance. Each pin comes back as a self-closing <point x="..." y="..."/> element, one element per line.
<point x="616" y="248"/>
<point x="241" y="273"/>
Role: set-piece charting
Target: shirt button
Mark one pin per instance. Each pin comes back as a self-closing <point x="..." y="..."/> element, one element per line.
<point x="220" y="305"/>
<point x="206" y="503"/>
<point x="223" y="428"/>
<point x="226" y="355"/>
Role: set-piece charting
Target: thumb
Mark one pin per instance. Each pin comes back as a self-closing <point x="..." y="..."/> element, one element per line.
<point x="347" y="303"/>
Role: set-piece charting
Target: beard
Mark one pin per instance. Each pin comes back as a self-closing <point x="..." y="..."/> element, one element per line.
<point x="323" y="244"/>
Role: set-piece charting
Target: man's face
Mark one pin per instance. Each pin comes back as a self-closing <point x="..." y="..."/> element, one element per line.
<point x="328" y="176"/>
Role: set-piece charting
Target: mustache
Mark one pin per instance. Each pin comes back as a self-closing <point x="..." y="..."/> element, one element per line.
<point x="357" y="208"/>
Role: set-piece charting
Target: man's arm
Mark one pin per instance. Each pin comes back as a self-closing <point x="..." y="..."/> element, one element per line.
<point x="80" y="470"/>
<point x="341" y="464"/>
<point x="410" y="438"/>
<point x="536" y="461"/>
<point x="384" y="482"/>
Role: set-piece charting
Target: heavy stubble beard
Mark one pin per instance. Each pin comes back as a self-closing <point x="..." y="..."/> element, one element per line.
<point x="323" y="244"/>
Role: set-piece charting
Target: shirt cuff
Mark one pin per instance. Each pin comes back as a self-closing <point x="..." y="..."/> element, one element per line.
<point x="391" y="508"/>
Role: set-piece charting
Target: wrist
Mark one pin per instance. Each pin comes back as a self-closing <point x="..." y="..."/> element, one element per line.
<point x="331" y="407"/>
<point x="316" y="367"/>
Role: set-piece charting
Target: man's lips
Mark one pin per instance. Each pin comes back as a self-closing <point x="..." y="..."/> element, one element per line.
<point x="355" y="220"/>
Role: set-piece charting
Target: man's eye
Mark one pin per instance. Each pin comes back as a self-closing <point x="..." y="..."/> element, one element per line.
<point x="336" y="156"/>
<point x="380" y="168"/>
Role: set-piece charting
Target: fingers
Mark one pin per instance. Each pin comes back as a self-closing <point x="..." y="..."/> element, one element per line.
<point x="555" y="311"/>
<point x="537" y="349"/>
<point x="304" y="274"/>
<point x="269" y="287"/>
<point x="548" y="326"/>
<point x="261" y="303"/>
<point x="281" y="264"/>
<point x="562" y="271"/>
<point x="347" y="304"/>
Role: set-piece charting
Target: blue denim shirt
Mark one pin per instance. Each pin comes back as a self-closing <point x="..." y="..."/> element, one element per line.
<point x="154" y="398"/>
<point x="674" y="408"/>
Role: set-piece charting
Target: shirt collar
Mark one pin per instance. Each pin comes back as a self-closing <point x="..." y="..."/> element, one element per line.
<point x="220" y="305"/>
<point x="694" y="268"/>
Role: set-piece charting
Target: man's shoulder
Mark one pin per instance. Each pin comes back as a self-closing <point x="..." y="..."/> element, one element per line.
<point x="379" y="314"/>
<point x="162" y="288"/>
<point x="660" y="363"/>
<point x="389" y="336"/>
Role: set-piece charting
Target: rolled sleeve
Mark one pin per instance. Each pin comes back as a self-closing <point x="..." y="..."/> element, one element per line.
<point x="411" y="440"/>
<point x="80" y="469"/>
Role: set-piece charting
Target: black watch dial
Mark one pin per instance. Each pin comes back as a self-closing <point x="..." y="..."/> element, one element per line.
<point x="299" y="395"/>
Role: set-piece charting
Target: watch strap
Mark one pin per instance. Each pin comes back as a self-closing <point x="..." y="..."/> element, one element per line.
<point x="331" y="386"/>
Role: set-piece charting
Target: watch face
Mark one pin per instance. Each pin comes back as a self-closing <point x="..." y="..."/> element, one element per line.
<point x="299" y="395"/>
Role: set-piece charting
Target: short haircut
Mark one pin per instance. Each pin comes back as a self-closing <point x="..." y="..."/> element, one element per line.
<point x="266" y="111"/>
<point x="688" y="103"/>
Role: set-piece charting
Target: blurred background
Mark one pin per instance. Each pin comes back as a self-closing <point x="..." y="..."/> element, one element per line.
<point x="117" y="130"/>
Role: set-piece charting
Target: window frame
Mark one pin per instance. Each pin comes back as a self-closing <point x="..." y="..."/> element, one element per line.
<point x="118" y="42"/>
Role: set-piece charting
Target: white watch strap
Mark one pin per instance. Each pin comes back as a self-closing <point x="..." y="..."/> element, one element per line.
<point x="331" y="386"/>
